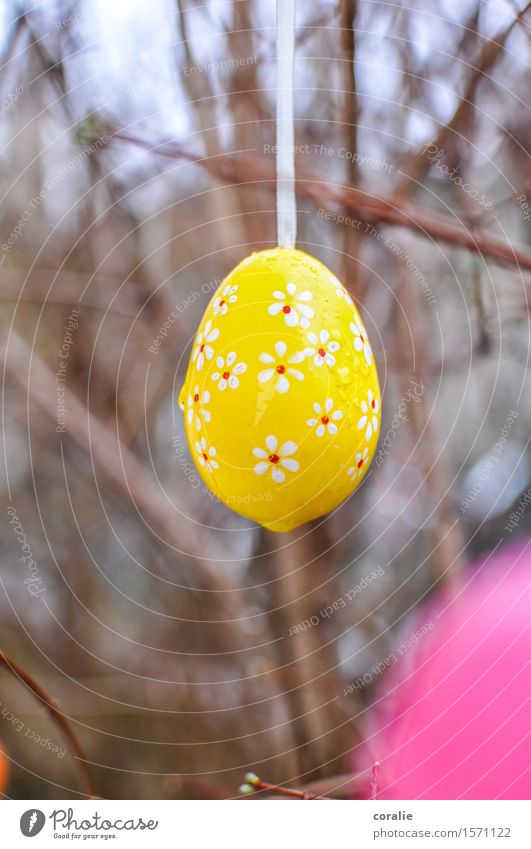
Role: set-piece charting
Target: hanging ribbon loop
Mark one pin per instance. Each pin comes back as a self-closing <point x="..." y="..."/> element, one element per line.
<point x="285" y="152"/>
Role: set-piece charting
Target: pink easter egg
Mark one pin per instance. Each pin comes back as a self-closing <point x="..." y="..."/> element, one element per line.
<point x="452" y="717"/>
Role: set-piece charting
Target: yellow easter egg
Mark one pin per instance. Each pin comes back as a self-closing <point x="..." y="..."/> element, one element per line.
<point x="281" y="398"/>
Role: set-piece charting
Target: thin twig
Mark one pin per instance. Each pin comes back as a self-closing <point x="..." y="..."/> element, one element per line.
<point x="371" y="208"/>
<point x="57" y="716"/>
<point x="418" y="163"/>
<point x="253" y="784"/>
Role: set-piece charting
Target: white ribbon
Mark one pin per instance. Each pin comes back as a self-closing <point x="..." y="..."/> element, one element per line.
<point x="285" y="155"/>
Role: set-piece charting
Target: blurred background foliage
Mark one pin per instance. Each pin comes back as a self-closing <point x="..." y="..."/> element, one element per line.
<point x="137" y="169"/>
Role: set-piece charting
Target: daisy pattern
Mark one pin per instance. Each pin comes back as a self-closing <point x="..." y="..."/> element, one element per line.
<point x="205" y="456"/>
<point x="228" y="296"/>
<point x="228" y="372"/>
<point x="361" y="343"/>
<point x="279" y="368"/>
<point x="360" y="461"/>
<point x="325" y="351"/>
<point x="203" y="349"/>
<point x="293" y="306"/>
<point x="273" y="458"/>
<point x="326" y="419"/>
<point x="196" y="408"/>
<point x="369" y="419"/>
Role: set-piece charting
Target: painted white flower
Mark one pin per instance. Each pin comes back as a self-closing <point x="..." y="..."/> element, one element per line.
<point x="325" y="348"/>
<point x="196" y="408"/>
<point x="203" y="349"/>
<point x="274" y="458"/>
<point x="228" y="372"/>
<point x="360" y="461"/>
<point x="326" y="419"/>
<point x="205" y="456"/>
<point x="293" y="305"/>
<point x="228" y="296"/>
<point x="369" y="419"/>
<point x="278" y="367"/>
<point x="361" y="343"/>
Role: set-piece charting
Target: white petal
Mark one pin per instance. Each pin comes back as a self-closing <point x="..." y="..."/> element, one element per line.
<point x="291" y="288"/>
<point x="324" y="336"/>
<point x="209" y="352"/>
<point x="213" y="335"/>
<point x="364" y="406"/>
<point x="317" y="407"/>
<point x="313" y="338"/>
<point x="328" y="404"/>
<point x="231" y="358"/>
<point x="282" y="384"/>
<point x="280" y="348"/>
<point x="290" y="465"/>
<point x="318" y="360"/>
<point x="222" y="385"/>
<point x="233" y="382"/>
<point x="206" y="396"/>
<point x="332" y="428"/>
<point x="368" y="354"/>
<point x="305" y="296"/>
<point x="280" y="296"/>
<point x="266" y="358"/>
<point x="305" y="323"/>
<point x="297" y="358"/>
<point x="338" y="414"/>
<point x="320" y="430"/>
<point x="311" y="422"/>
<point x="291" y="318"/>
<point x="287" y="448"/>
<point x="330" y="360"/>
<point x="298" y="375"/>
<point x="261" y="468"/>
<point x="368" y="432"/>
<point x="264" y="376"/>
<point x="307" y="312"/>
<point x="333" y="347"/>
<point x="239" y="368"/>
<point x="260" y="453"/>
<point x="358" y="344"/>
<point x="200" y="362"/>
<point x="220" y="362"/>
<point x="216" y="375"/>
<point x="362" y="422"/>
<point x="273" y="309"/>
<point x="271" y="443"/>
<point x="203" y="443"/>
<point x="278" y="475"/>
